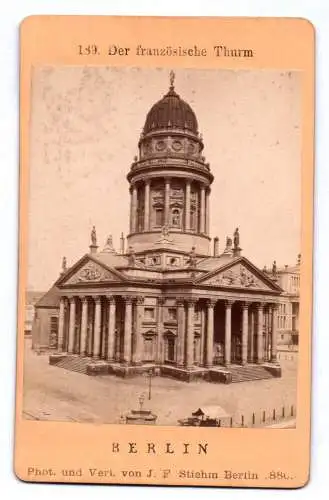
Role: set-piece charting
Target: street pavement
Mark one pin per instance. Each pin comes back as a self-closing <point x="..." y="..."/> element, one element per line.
<point x="52" y="393"/>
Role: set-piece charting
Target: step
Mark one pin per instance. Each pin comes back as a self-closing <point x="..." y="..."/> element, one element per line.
<point x="249" y="373"/>
<point x="73" y="363"/>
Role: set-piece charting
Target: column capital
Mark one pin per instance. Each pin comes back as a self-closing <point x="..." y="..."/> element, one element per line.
<point x="84" y="299"/>
<point x="245" y="304"/>
<point x="260" y="305"/>
<point x="71" y="300"/>
<point x="110" y="298"/>
<point x="97" y="299"/>
<point x="180" y="301"/>
<point x="161" y="300"/>
<point x="140" y="300"/>
<point x="147" y="181"/>
<point x="128" y="299"/>
<point x="211" y="302"/>
<point x="191" y="301"/>
<point x="229" y="303"/>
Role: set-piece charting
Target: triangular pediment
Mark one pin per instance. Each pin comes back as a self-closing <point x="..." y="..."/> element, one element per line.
<point x="88" y="271"/>
<point x="241" y="274"/>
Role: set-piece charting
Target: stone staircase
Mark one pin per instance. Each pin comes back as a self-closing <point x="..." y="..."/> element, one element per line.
<point x="72" y="363"/>
<point x="248" y="373"/>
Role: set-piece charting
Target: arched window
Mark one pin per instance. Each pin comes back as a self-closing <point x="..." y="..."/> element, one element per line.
<point x="176" y="217"/>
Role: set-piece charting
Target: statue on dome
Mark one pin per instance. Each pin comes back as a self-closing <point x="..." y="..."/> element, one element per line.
<point x="131" y="257"/>
<point x="93" y="236"/>
<point x="109" y="245"/>
<point x="165" y="232"/>
<point x="274" y="268"/>
<point x="192" y="261"/>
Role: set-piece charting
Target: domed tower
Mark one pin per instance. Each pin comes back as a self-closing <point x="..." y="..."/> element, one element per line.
<point x="170" y="180"/>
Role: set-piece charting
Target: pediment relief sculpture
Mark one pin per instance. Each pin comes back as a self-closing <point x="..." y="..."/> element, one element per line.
<point x="91" y="272"/>
<point x="237" y="276"/>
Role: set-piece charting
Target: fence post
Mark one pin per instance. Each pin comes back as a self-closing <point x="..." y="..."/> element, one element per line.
<point x="264" y="416"/>
<point x="292" y="411"/>
<point x="282" y="411"/>
<point x="253" y="419"/>
<point x="242" y="421"/>
<point x="274" y="414"/>
<point x="231" y="422"/>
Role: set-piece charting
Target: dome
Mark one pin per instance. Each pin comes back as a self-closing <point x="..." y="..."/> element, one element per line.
<point x="171" y="112"/>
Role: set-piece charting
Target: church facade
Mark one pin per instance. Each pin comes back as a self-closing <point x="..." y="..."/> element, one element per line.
<point x="172" y="300"/>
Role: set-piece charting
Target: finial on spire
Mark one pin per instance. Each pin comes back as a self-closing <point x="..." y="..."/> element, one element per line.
<point x="172" y="79"/>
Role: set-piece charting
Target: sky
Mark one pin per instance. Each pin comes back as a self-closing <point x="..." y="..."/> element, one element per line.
<point x="84" y="129"/>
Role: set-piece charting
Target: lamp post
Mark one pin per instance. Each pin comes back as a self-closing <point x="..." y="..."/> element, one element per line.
<point x="150" y="374"/>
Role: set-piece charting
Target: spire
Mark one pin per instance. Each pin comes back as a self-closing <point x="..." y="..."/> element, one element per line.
<point x="122" y="244"/>
<point x="172" y="79"/>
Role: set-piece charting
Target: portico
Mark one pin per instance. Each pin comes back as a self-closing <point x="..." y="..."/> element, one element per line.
<point x="187" y="332"/>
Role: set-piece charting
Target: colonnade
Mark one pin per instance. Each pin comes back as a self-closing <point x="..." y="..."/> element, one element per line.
<point x="202" y="225"/>
<point x="87" y="326"/>
<point x="92" y="332"/>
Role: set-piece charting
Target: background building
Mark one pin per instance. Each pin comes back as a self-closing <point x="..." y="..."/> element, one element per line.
<point x="31" y="298"/>
<point x="288" y="278"/>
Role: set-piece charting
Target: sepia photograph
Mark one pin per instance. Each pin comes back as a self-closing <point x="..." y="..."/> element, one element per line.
<point x="163" y="246"/>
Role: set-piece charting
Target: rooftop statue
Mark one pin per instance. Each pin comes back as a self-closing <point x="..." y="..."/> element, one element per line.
<point x="236" y="238"/>
<point x="93" y="236"/>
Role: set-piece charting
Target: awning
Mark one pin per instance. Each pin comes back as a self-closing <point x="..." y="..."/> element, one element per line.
<point x="211" y="412"/>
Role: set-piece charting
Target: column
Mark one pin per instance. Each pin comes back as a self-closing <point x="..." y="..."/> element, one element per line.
<point x="188" y="205"/>
<point x="203" y="336"/>
<point x="245" y="307"/>
<point x="61" y="318"/>
<point x="83" y="330"/>
<point x="138" y="351"/>
<point x="71" y="325"/>
<point x="166" y="202"/>
<point x="97" y="328"/>
<point x="228" y="328"/>
<point x="202" y="208"/>
<point x="190" y="333"/>
<point x="127" y="330"/>
<point x="160" y="346"/>
<point x="147" y="206"/>
<point x="260" y="320"/>
<point x="210" y="332"/>
<point x="252" y="335"/>
<point x="111" y="328"/>
<point x="267" y="334"/>
<point x="131" y="211"/>
<point x="207" y="211"/>
<point x="181" y="332"/>
<point x="274" y="333"/>
<point x="134" y="209"/>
